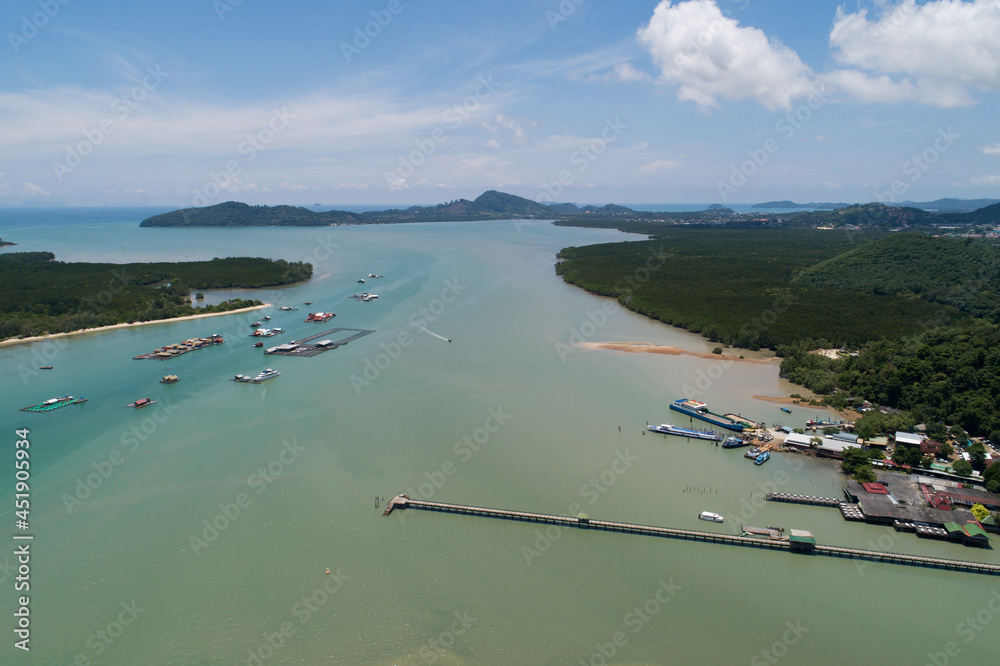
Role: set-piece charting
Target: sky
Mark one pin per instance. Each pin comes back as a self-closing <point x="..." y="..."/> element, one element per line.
<point x="196" y="102"/>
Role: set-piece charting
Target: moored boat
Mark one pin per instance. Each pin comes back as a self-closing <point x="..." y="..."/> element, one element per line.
<point x="170" y="379"/>
<point x="258" y="344"/>
<point x="668" y="429"/>
<point x="320" y="316"/>
<point x="734" y="443"/>
<point x="711" y="517"/>
<point x="752" y="453"/>
<point x="762" y="458"/>
<point x="699" y="410"/>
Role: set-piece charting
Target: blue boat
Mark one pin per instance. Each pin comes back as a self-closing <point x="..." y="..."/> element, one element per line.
<point x="786" y="410"/>
<point x="668" y="429"/>
<point x="699" y="410"/>
<point x="762" y="458"/>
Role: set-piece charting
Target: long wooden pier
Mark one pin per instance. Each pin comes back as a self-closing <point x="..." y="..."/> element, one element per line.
<point x="803" y="499"/>
<point x="404" y="502"/>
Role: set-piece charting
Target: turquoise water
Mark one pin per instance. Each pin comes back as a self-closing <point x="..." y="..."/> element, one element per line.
<point x="124" y="501"/>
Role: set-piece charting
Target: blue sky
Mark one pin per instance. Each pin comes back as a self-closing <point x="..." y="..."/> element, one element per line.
<point x="194" y="102"/>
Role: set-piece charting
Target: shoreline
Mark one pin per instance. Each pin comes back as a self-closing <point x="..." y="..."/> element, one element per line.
<point x="645" y="348"/>
<point x="98" y="329"/>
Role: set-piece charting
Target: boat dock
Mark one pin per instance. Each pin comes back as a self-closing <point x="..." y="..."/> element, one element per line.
<point x="54" y="403"/>
<point x="803" y="499"/>
<point x="401" y="502"/>
<point x="306" y="347"/>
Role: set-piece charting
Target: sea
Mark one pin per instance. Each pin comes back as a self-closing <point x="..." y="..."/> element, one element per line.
<point x="235" y="523"/>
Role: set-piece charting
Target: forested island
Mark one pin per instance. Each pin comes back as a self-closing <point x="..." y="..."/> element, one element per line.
<point x="39" y="295"/>
<point x="493" y="205"/>
<point x="916" y="315"/>
<point x="4" y="243"/>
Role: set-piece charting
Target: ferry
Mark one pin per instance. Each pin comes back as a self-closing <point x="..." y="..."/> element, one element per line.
<point x="762" y="458"/>
<point x="668" y="429"/>
<point x="320" y="316"/>
<point x="734" y="443"/>
<point x="141" y="402"/>
<point x="699" y="410"/>
<point x="170" y="379"/>
<point x="711" y="517"/>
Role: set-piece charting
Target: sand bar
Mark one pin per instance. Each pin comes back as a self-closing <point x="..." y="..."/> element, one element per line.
<point x="644" y="348"/>
<point x="37" y="338"/>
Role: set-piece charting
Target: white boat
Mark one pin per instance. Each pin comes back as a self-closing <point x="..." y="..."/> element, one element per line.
<point x="267" y="374"/>
<point x="711" y="517"/>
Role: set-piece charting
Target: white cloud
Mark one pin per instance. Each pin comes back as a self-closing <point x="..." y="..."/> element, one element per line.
<point x="711" y="56"/>
<point x="517" y="128"/>
<point x="938" y="50"/>
<point x="626" y="72"/>
<point x="493" y="144"/>
<point x="990" y="179"/>
<point x="33" y="190"/>
<point x="659" y="166"/>
<point x="830" y="185"/>
<point x="991" y="149"/>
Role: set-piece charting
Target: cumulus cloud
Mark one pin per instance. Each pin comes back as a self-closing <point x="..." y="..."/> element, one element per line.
<point x="991" y="149"/>
<point x="938" y="50"/>
<point x="711" y="56"/>
<point x="517" y="128"/>
<point x="659" y="166"/>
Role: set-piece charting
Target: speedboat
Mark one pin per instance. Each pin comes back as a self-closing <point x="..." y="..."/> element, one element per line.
<point x="711" y="517"/>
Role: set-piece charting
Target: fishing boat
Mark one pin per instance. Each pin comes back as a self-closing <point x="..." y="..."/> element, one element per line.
<point x="170" y="379"/>
<point x="267" y="317"/>
<point x="141" y="402"/>
<point x="699" y="410"/>
<point x="762" y="458"/>
<point x="308" y="303"/>
<point x="668" y="429"/>
<point x="710" y="516"/>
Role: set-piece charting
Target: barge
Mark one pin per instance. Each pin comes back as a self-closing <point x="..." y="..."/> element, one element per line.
<point x="699" y="410"/>
<point x="668" y="429"/>
<point x="53" y="403"/>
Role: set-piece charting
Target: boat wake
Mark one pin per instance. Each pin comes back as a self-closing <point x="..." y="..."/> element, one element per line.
<point x="440" y="337"/>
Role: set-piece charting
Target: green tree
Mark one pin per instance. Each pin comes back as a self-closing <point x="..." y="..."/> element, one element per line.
<point x="926" y="462"/>
<point x="865" y="474"/>
<point x="947" y="450"/>
<point x="906" y="455"/>
<point x="962" y="468"/>
<point x="977" y="455"/>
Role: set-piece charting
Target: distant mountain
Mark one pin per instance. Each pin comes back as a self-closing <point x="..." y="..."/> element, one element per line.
<point x="989" y="216"/>
<point x="951" y="205"/>
<point x="865" y="216"/>
<point x="236" y="214"/>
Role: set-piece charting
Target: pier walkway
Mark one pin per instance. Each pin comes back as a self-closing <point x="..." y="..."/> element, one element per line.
<point x="803" y="499"/>
<point x="401" y="501"/>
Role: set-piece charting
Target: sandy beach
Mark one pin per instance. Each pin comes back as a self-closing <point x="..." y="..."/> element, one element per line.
<point x="644" y="348"/>
<point x="37" y="338"/>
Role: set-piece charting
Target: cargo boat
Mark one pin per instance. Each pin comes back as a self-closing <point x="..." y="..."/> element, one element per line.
<point x="699" y="410"/>
<point x="668" y="429"/>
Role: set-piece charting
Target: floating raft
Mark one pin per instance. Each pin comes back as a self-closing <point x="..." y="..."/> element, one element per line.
<point x="54" y="403"/>
<point x="171" y="351"/>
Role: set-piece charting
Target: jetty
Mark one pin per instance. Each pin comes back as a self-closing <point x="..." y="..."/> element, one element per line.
<point x="803" y="499"/>
<point x="318" y="343"/>
<point x="797" y="542"/>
